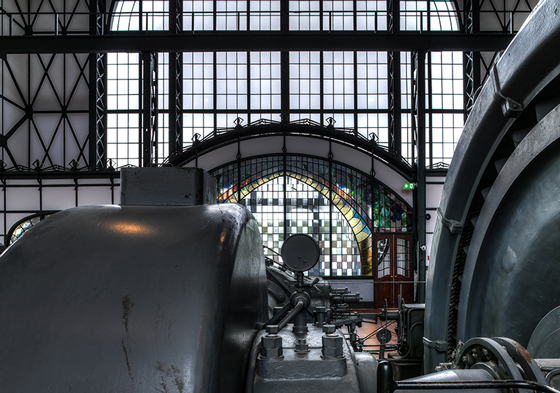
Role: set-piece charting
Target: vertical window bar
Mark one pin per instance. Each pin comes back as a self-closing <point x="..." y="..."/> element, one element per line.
<point x="285" y="83"/>
<point x="355" y="27"/>
<point x="429" y="17"/>
<point x="331" y="197"/>
<point x="284" y="175"/>
<point x="430" y="138"/>
<point x="248" y="81"/>
<point x="396" y="142"/>
<point x="146" y="110"/>
<point x="248" y="17"/>
<point x="322" y="87"/>
<point x="284" y="17"/>
<point x="321" y="24"/>
<point x="215" y="81"/>
<point x="214" y="25"/>
<point x="141" y="12"/>
<point x="154" y="147"/>
<point x="355" y="84"/>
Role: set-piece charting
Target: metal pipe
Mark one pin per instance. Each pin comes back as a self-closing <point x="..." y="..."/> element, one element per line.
<point x="276" y="317"/>
<point x="462" y="385"/>
<point x="297" y="308"/>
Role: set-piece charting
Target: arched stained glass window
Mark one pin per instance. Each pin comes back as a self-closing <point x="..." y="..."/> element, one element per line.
<point x="22" y="226"/>
<point x="340" y="207"/>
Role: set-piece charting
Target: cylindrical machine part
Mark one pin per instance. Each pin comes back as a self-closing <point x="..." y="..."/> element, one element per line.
<point x="389" y="315"/>
<point x="297" y="308"/>
<point x="496" y="236"/>
<point x="300" y="300"/>
<point x="127" y="298"/>
<point x="453" y="376"/>
<point x="346" y="298"/>
<point x="320" y="316"/>
<point x="300" y="322"/>
<point x="458" y="376"/>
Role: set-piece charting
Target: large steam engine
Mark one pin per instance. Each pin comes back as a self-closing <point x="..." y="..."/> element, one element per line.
<point x="170" y="292"/>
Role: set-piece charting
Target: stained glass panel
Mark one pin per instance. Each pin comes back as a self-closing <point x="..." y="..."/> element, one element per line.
<point x="24" y="226"/>
<point x="383" y="257"/>
<point x="339" y="206"/>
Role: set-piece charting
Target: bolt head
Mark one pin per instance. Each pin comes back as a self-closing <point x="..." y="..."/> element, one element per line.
<point x="301" y="345"/>
<point x="272" y="329"/>
<point x="332" y="352"/>
<point x="271" y="342"/>
<point x="271" y="352"/>
<point x="329" y="329"/>
<point x="332" y="341"/>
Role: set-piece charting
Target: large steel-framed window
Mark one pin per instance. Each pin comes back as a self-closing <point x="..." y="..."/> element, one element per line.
<point x="351" y="87"/>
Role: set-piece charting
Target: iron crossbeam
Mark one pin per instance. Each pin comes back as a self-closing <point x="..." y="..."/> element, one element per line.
<point x="166" y="42"/>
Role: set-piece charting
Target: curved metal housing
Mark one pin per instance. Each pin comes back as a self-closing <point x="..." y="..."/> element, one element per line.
<point x="132" y="299"/>
<point x="476" y="272"/>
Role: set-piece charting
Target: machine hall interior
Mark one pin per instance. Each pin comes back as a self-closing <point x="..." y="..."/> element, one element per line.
<point x="279" y="195"/>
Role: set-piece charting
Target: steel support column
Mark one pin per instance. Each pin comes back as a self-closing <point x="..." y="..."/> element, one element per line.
<point x="471" y="59"/>
<point x="175" y="80"/>
<point x="394" y="60"/>
<point x="149" y="109"/>
<point x="420" y="190"/>
<point x="97" y="91"/>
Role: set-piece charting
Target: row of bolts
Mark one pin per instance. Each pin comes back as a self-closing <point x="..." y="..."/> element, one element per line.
<point x="271" y="344"/>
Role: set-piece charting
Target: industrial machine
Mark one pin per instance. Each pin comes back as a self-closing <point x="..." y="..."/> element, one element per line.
<point x="170" y="292"/>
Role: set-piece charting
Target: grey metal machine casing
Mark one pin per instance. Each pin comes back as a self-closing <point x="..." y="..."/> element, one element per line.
<point x="132" y="299"/>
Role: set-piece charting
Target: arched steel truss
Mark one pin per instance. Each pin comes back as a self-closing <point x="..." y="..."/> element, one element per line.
<point x="264" y="128"/>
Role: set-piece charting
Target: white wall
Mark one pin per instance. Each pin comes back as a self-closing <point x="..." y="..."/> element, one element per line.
<point x="434" y="188"/>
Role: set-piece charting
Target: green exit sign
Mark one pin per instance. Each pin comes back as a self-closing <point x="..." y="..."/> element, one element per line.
<point x="409" y="186"/>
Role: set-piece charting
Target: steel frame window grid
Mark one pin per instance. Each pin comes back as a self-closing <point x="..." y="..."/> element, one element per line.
<point x="311" y="86"/>
<point x="230" y="84"/>
<point x="132" y="68"/>
<point x="347" y="117"/>
<point x="236" y="15"/>
<point x="444" y="121"/>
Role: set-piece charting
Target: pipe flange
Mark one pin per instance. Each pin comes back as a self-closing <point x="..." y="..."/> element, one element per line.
<point x="521" y="356"/>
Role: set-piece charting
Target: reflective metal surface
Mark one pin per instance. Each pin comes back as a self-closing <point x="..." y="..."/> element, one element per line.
<point x="492" y="258"/>
<point x="132" y="299"/>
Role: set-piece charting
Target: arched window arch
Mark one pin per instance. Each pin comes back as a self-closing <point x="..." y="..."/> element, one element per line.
<point x="429" y="15"/>
<point x="341" y="207"/>
<point x="140" y="15"/>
